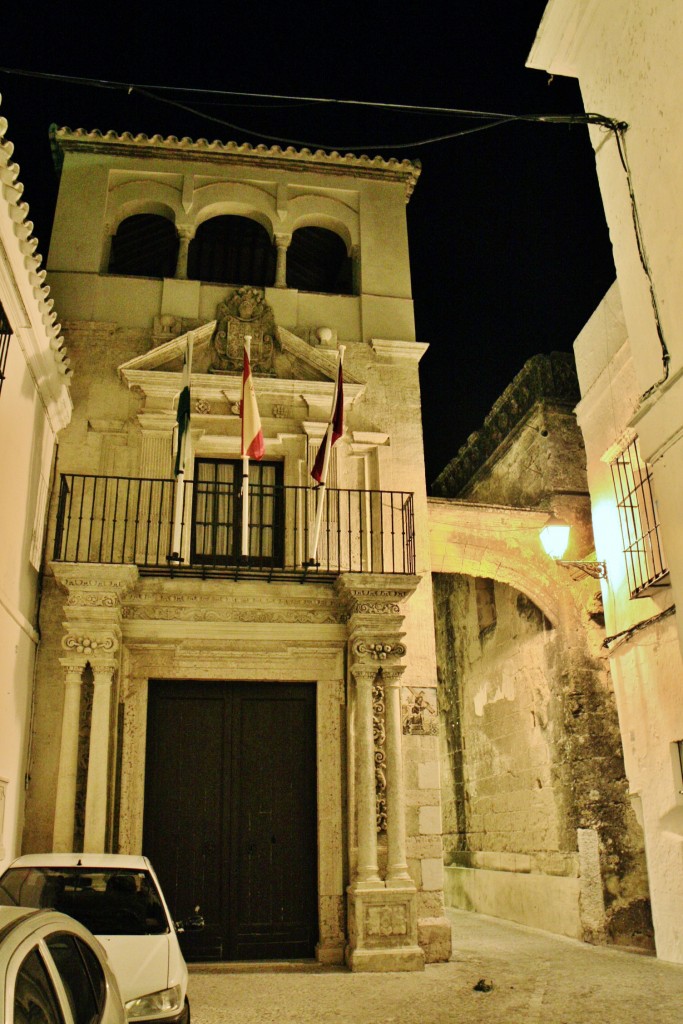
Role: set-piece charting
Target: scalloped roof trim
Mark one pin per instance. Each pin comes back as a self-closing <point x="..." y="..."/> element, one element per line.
<point x="12" y="191"/>
<point x="408" y="170"/>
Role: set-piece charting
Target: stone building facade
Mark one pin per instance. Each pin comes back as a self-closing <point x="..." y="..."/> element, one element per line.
<point x="537" y="823"/>
<point x="244" y="720"/>
<point x="35" y="405"/>
<point x="627" y="62"/>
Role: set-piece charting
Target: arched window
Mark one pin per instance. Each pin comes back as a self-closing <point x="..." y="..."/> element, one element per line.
<point x="317" y="262"/>
<point x="145" y="245"/>
<point x="232" y="250"/>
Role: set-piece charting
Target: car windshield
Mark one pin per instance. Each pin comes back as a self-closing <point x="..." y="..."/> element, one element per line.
<point x="108" y="902"/>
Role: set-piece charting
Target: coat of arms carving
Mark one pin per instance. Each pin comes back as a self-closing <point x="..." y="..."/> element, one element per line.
<point x="245" y="312"/>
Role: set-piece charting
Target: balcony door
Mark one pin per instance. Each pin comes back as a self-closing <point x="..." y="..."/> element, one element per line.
<point x="217" y="512"/>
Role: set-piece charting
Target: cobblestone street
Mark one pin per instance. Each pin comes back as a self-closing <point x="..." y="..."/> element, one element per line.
<point x="536" y="977"/>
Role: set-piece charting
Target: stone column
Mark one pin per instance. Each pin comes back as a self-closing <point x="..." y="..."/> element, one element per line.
<point x="185" y="236"/>
<point x="382" y="915"/>
<point x="97" y="791"/>
<point x="282" y="243"/>
<point x="67" y="773"/>
<point x="367" y="871"/>
<point x="93" y="636"/>
<point x="397" y="866"/>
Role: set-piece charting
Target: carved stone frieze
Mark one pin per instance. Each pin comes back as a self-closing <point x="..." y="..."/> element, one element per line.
<point x="94" y="586"/>
<point x="384" y="920"/>
<point x="212" y="606"/>
<point x="379" y="735"/>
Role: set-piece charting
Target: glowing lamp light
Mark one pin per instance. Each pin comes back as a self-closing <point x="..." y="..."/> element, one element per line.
<point x="555" y="537"/>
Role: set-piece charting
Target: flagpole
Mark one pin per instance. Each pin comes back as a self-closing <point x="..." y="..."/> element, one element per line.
<point x="327" y="441"/>
<point x="245" y="462"/>
<point x="183" y="444"/>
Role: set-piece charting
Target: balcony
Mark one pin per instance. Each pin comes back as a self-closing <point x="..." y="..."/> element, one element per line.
<point x="123" y="520"/>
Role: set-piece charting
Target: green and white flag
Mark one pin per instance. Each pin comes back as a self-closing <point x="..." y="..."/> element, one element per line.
<point x="183" y="414"/>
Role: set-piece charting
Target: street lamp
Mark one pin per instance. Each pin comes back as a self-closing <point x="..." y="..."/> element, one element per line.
<point x="555" y="538"/>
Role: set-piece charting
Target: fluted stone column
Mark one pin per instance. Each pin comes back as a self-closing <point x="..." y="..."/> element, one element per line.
<point x="397" y="865"/>
<point x="282" y="243"/>
<point x="367" y="870"/>
<point x="97" y="790"/>
<point x="67" y="772"/>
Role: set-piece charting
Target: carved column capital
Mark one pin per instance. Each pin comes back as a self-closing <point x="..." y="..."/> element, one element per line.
<point x="91" y="643"/>
<point x="377" y="651"/>
<point x="392" y="675"/>
<point x="364" y="673"/>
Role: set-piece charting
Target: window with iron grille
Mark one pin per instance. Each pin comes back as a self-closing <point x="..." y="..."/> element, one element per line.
<point x="645" y="561"/>
<point x="5" y="335"/>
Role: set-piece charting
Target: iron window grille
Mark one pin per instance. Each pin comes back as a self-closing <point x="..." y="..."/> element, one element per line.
<point x="645" y="562"/>
<point x="5" y="335"/>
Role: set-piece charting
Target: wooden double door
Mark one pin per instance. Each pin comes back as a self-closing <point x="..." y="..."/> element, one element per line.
<point x="230" y="817"/>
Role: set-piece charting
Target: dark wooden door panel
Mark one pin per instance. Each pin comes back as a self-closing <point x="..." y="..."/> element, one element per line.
<point x="230" y="814"/>
<point x="274" y="803"/>
<point x="184" y="806"/>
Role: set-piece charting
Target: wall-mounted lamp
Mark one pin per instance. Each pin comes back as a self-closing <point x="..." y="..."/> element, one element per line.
<point x="555" y="538"/>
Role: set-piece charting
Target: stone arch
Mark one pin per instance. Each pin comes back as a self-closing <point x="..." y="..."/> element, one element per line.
<point x="137" y="197"/>
<point x="234" y="199"/>
<point x="232" y="249"/>
<point x="324" y="212"/>
<point x="499" y="543"/>
<point x="145" y="245"/>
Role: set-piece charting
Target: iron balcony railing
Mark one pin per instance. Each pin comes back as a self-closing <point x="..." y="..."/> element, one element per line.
<point x="123" y="520"/>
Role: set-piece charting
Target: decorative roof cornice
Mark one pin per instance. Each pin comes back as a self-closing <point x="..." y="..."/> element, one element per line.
<point x="25" y="295"/>
<point x="542" y="378"/>
<point x="65" y="140"/>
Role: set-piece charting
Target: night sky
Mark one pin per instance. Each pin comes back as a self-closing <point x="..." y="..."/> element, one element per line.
<point x="509" y="249"/>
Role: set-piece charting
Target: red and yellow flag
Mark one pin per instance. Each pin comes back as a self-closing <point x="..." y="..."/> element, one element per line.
<point x="253" y="445"/>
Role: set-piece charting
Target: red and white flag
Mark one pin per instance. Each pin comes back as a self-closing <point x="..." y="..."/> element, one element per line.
<point x="253" y="445"/>
<point x="334" y="430"/>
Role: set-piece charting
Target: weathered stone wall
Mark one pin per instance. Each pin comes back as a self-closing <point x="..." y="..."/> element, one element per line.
<point x="532" y="764"/>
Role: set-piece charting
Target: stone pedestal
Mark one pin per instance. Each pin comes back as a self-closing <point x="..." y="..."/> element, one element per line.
<point x="383" y="930"/>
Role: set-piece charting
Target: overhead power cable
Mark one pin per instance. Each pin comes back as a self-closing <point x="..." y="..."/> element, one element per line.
<point x="151" y="92"/>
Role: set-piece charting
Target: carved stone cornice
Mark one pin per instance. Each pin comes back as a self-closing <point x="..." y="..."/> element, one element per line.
<point x="94" y="585"/>
<point x="375" y="594"/>
<point x="551" y="378"/>
<point x="346" y="164"/>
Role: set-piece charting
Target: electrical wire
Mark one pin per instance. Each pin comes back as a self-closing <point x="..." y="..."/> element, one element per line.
<point x="645" y="263"/>
<point x="626" y="634"/>
<point x="493" y="119"/>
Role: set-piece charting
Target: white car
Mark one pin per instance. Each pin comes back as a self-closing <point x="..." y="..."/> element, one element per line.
<point x="119" y="899"/>
<point x="54" y="971"/>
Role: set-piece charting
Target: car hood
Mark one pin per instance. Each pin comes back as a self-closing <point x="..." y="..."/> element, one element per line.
<point x="140" y="963"/>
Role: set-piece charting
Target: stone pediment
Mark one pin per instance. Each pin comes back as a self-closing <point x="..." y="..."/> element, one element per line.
<point x="284" y="365"/>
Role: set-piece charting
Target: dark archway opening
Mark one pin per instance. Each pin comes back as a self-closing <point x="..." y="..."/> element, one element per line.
<point x="145" y="245"/>
<point x="317" y="261"/>
<point x="232" y="250"/>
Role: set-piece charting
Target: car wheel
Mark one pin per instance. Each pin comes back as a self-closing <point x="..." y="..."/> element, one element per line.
<point x="185" y="1017"/>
